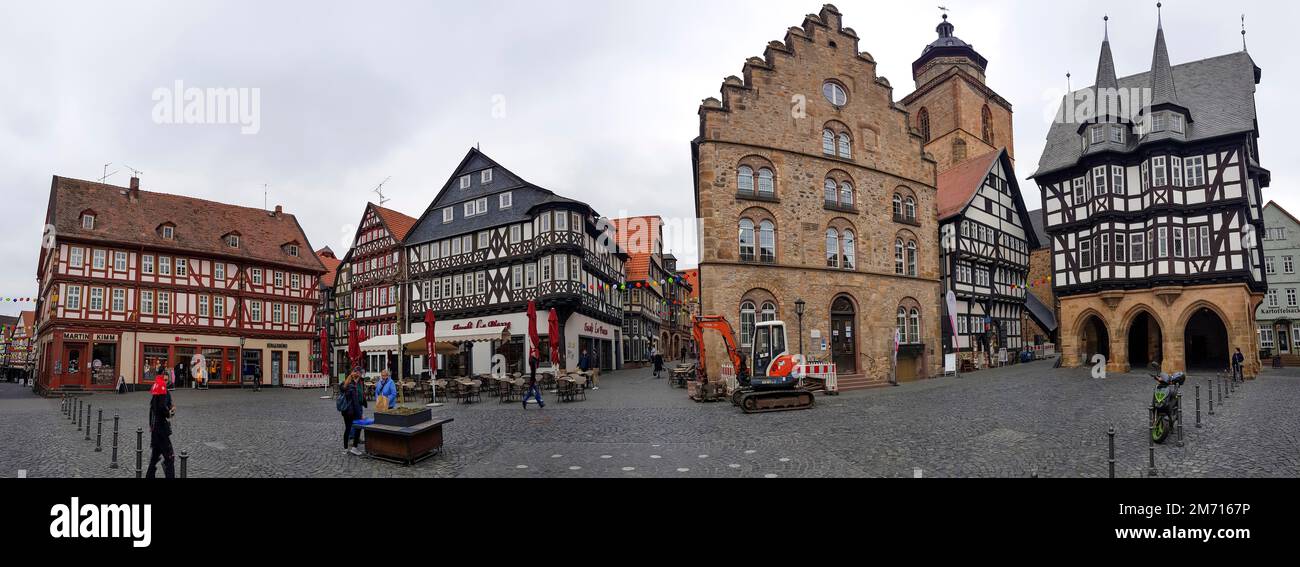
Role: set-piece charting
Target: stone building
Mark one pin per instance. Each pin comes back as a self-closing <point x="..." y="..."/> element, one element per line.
<point x="1152" y="208"/>
<point x="1279" y="315"/>
<point x="796" y="167"/>
<point x="1039" y="325"/>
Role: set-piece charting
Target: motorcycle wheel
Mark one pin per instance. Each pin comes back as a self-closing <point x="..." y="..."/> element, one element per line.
<point x="1161" y="428"/>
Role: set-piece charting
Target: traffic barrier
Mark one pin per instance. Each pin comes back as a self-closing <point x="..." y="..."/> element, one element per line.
<point x="824" y="372"/>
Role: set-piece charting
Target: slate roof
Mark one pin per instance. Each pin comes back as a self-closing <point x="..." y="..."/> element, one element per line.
<point x="1039" y="226"/>
<point x="1043" y="315"/>
<point x="525" y="197"/>
<point x="200" y="224"/>
<point x="1219" y="92"/>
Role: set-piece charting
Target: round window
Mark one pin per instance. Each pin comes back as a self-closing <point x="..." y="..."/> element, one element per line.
<point x="835" y="93"/>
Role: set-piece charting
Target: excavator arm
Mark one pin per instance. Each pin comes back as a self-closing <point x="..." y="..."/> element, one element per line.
<point x="723" y="328"/>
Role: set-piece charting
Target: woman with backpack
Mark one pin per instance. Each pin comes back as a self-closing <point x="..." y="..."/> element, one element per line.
<point x="351" y="403"/>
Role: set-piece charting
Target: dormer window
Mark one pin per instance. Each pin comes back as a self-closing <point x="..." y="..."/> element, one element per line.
<point x="88" y="221"/>
<point x="167" y="231"/>
<point x="1117" y="134"/>
<point x="1176" y="123"/>
<point x="292" y="249"/>
<point x="232" y="240"/>
<point x="1159" y="121"/>
<point x="1098" y="134"/>
<point x="485" y="177"/>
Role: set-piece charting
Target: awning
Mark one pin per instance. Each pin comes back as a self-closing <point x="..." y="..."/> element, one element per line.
<point x="461" y="336"/>
<point x="388" y="343"/>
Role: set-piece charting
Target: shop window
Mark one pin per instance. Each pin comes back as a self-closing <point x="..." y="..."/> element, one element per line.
<point x="293" y="363"/>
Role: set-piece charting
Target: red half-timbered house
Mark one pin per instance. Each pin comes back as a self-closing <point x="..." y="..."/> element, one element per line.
<point x="375" y="268"/>
<point x="134" y="281"/>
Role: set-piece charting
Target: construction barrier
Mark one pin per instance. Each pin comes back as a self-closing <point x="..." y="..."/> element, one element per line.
<point x="825" y="372"/>
<point x="728" y="374"/>
<point x="304" y="381"/>
<point x="1043" y="352"/>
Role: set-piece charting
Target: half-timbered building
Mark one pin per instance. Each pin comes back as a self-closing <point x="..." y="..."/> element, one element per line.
<point x="1152" y="200"/>
<point x="645" y="299"/>
<point x="489" y="243"/>
<point x="985" y="251"/>
<point x="326" y="312"/>
<point x="134" y="281"/>
<point x="375" y="268"/>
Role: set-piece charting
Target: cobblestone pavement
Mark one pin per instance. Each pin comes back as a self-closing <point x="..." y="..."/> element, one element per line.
<point x="1001" y="423"/>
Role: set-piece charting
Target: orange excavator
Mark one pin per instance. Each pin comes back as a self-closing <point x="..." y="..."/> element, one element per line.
<point x="773" y="386"/>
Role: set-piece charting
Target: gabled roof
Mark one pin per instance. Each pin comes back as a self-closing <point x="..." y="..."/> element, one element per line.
<point x="1039" y="226"/>
<point x="1285" y="212"/>
<point x="126" y="219"/>
<point x="1043" y="315"/>
<point x="1219" y="92"/>
<point x="692" y="277"/>
<point x="399" y="225"/>
<point x="958" y="185"/>
<point x="28" y="318"/>
<point x="326" y="257"/>
<point x="525" y="197"/>
<point x="636" y="236"/>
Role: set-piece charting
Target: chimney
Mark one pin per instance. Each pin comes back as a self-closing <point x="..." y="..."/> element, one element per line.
<point x="279" y="210"/>
<point x="134" y="194"/>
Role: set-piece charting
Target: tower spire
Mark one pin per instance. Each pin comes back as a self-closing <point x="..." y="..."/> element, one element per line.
<point x="1162" y="74"/>
<point x="1106" y="63"/>
<point x="1243" y="33"/>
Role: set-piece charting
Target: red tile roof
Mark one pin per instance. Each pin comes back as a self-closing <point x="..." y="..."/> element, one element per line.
<point x="693" y="278"/>
<point x="201" y="225"/>
<point x="398" y="224"/>
<point x="28" y="318"/>
<point x="326" y="257"/>
<point x="959" y="184"/>
<point x="636" y="236"/>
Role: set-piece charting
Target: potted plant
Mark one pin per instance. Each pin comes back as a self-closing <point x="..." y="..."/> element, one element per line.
<point x="403" y="417"/>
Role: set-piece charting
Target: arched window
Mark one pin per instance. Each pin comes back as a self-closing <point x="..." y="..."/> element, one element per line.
<point x="846" y="194"/>
<point x="745" y="179"/>
<point x="746" y="323"/>
<point x="828" y="142"/>
<point x="910" y="208"/>
<point x="846" y="146"/>
<point x="902" y="324"/>
<point x="831" y="191"/>
<point x="923" y="119"/>
<point x="835" y="93"/>
<point x="987" y="117"/>
<point x="746" y="240"/>
<point x="914" y="327"/>
<point x="898" y="257"/>
<point x="898" y="206"/>
<point x="911" y="258"/>
<point x="768" y="313"/>
<point x="832" y="248"/>
<point x="850" y="250"/>
<point x="767" y="242"/>
<point x="766" y="183"/>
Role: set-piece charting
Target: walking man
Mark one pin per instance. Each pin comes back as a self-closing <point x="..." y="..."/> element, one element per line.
<point x="1238" y="361"/>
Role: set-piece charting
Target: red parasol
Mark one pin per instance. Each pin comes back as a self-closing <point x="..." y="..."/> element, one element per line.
<point x="354" y="344"/>
<point x="429" y="343"/>
<point x="534" y="342"/>
<point x="555" y="338"/>
<point x="324" y="352"/>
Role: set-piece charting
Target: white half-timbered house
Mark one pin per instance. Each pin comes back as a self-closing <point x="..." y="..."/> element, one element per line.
<point x="985" y="244"/>
<point x="1153" y="207"/>
<point x="134" y="281"/>
<point x="488" y="244"/>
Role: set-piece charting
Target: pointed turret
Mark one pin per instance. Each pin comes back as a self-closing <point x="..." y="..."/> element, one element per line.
<point x="1162" y="73"/>
<point x="1106" y="65"/>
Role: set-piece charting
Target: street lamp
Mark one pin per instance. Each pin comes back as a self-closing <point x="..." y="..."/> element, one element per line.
<point x="799" y="305"/>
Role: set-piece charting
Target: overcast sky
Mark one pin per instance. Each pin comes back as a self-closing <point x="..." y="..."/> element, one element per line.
<point x="594" y="99"/>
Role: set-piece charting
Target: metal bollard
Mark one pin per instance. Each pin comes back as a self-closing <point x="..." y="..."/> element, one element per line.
<point x="139" y="451"/>
<point x="63" y="405"/>
<point x="1210" y="384"/>
<point x="1220" y="386"/>
<point x="87" y="422"/>
<point x="116" y="418"/>
<point x="1151" y="444"/>
<point x="1178" y="424"/>
<point x="78" y="415"/>
<point x="1198" y="407"/>
<point x="1111" y="435"/>
<point x="99" y="432"/>
<point x="185" y="458"/>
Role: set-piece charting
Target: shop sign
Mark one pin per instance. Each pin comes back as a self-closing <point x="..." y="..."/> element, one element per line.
<point x="102" y="338"/>
<point x="480" y="324"/>
<point x="186" y="340"/>
<point x="277" y="345"/>
<point x="594" y="329"/>
<point x="76" y="336"/>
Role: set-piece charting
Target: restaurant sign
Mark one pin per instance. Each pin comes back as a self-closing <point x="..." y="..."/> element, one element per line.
<point x="480" y="324"/>
<point x="595" y="329"/>
<point x="1280" y="312"/>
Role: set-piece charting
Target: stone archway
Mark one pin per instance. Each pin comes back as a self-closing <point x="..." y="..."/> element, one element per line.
<point x="1205" y="340"/>
<point x="1144" y="341"/>
<point x="1094" y="339"/>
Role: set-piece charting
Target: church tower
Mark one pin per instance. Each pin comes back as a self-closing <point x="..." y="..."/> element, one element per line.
<point x="957" y="114"/>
